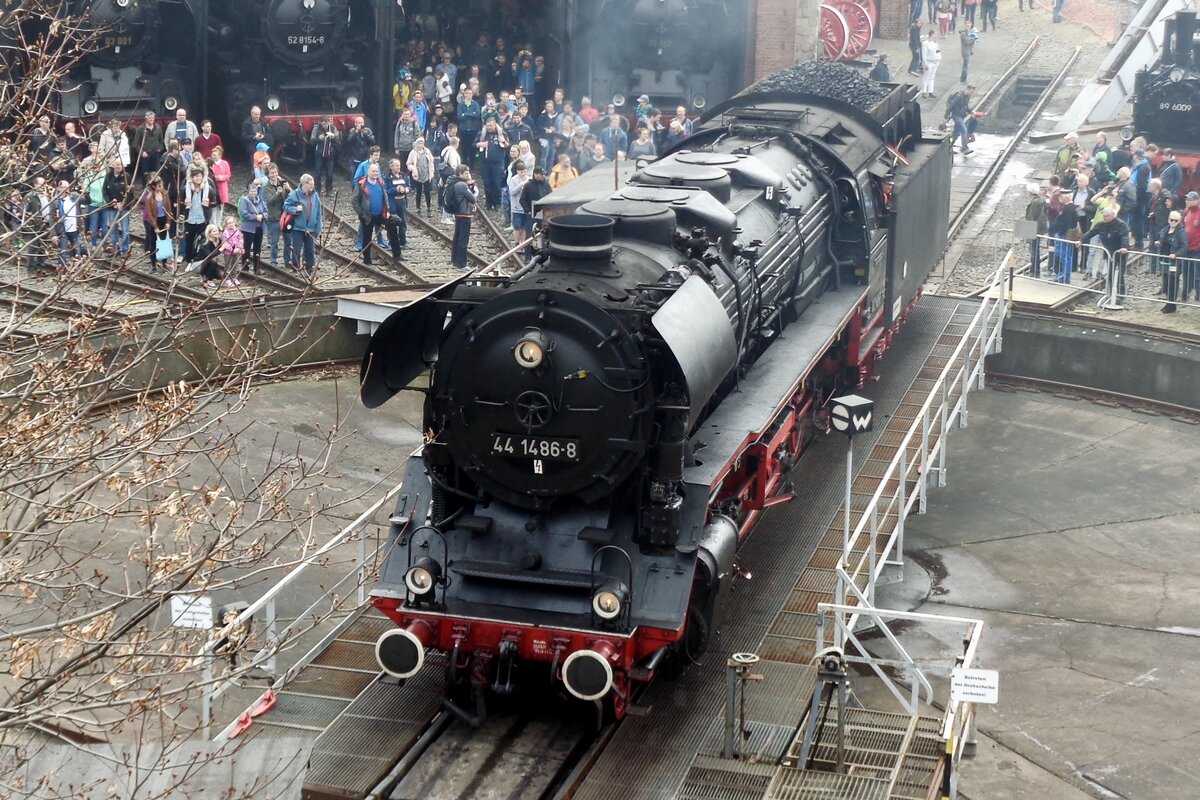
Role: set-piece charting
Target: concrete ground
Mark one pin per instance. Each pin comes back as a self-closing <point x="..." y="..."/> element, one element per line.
<point x="1069" y="528"/>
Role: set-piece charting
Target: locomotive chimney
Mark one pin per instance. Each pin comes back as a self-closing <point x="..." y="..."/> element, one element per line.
<point x="585" y="240"/>
<point x="1167" y="56"/>
<point x="1185" y="32"/>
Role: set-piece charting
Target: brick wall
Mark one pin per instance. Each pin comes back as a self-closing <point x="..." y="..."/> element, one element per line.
<point x="892" y="22"/>
<point x="774" y="35"/>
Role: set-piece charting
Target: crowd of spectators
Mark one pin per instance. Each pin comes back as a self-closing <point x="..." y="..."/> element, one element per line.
<point x="1126" y="200"/>
<point x="486" y="114"/>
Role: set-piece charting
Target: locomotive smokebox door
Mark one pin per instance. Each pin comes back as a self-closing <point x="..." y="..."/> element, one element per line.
<point x="852" y="414"/>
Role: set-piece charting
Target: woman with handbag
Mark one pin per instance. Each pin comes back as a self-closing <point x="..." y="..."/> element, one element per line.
<point x="160" y="224"/>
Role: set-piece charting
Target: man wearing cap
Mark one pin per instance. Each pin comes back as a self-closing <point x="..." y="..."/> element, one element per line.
<point x="1066" y="154"/>
<point x="644" y="109"/>
<point x="1190" y="274"/>
<point x="327" y="146"/>
<point x="1172" y="248"/>
<point x="1113" y="234"/>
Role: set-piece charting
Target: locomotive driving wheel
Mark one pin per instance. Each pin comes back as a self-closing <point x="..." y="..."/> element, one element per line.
<point x="860" y="27"/>
<point x="834" y="30"/>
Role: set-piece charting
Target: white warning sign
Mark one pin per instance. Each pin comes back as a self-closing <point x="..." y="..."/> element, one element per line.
<point x="975" y="685"/>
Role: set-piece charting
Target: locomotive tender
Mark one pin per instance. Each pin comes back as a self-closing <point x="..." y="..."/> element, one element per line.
<point x="605" y="428"/>
<point x="1167" y="97"/>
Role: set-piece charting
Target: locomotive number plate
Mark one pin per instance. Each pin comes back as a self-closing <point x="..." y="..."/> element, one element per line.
<point x="513" y="445"/>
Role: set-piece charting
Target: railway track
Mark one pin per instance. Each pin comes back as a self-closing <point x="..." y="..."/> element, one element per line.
<point x="988" y="103"/>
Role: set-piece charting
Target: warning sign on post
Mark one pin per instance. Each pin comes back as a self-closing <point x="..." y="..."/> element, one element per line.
<point x="192" y="611"/>
<point x="975" y="685"/>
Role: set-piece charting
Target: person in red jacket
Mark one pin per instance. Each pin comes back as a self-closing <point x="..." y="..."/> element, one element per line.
<point x="1190" y="278"/>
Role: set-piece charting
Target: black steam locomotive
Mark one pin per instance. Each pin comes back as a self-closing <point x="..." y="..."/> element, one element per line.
<point x="604" y="429"/>
<point x="142" y="56"/>
<point x="297" y="59"/>
<point x="1166" y="103"/>
<point x="679" y="52"/>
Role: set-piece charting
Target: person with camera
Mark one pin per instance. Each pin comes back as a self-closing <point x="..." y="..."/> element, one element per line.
<point x="327" y="146"/>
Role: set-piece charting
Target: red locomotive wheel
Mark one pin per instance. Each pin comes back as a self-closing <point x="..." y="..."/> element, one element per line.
<point x="860" y="27"/>
<point x="834" y="31"/>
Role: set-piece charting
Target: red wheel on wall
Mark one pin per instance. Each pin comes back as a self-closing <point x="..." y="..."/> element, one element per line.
<point x="860" y="27"/>
<point x="834" y="31"/>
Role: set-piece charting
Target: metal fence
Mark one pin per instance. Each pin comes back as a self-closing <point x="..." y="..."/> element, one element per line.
<point x="863" y="560"/>
<point x="332" y="602"/>
<point x="1114" y="278"/>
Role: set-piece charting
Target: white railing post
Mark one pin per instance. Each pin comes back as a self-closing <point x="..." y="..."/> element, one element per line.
<point x="871" y="557"/>
<point x="206" y="698"/>
<point x="924" y="481"/>
<point x="272" y="633"/>
<point x="362" y="566"/>
<point x="942" y="433"/>
<point x="902" y="512"/>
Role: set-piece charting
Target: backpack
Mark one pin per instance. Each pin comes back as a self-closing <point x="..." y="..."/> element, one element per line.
<point x="241" y="219"/>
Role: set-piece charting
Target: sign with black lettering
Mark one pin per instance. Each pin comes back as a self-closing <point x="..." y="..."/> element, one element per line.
<point x="975" y="685"/>
<point x="851" y="414"/>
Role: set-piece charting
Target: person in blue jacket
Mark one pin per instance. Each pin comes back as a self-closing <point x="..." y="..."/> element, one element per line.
<point x="304" y="204"/>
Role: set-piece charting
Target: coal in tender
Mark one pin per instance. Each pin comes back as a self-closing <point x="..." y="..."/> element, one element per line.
<point x="825" y="78"/>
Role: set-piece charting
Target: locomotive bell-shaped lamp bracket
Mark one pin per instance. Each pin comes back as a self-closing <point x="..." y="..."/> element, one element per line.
<point x="404" y="345"/>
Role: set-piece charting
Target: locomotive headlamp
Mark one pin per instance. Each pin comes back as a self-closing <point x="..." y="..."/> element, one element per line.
<point x="352" y="102"/>
<point x="122" y="3"/>
<point x="91" y="107"/>
<point x="171" y="103"/>
<point x="531" y="348"/>
<point x="1176" y="75"/>
<point x="618" y="100"/>
<point x="608" y="602"/>
<point x="423" y="576"/>
<point x="699" y="101"/>
<point x="309" y="4"/>
<point x="273" y="103"/>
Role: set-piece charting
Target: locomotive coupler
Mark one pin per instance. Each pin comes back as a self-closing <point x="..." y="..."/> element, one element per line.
<point x="504" y="669"/>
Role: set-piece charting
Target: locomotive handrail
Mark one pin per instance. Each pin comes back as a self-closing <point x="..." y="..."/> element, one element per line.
<point x="214" y="688"/>
<point x="983" y="336"/>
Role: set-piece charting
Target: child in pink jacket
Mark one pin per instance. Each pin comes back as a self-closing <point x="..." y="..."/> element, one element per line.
<point x="233" y="247"/>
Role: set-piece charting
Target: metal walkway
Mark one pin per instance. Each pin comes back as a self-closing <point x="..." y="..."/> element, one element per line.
<point x="793" y="555"/>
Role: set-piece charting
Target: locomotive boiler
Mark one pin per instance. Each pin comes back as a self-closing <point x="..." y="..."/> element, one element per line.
<point x="141" y="55"/>
<point x="1167" y="96"/>
<point x="604" y="429"/>
<point x="297" y="59"/>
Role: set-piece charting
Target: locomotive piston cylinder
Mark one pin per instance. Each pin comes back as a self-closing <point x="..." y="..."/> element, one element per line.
<point x="401" y="651"/>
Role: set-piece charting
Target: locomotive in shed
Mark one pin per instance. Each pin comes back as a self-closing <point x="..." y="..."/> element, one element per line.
<point x="605" y="428"/>
<point x="1166" y="103"/>
<point x="679" y="52"/>
<point x="314" y="57"/>
<point x="142" y="56"/>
